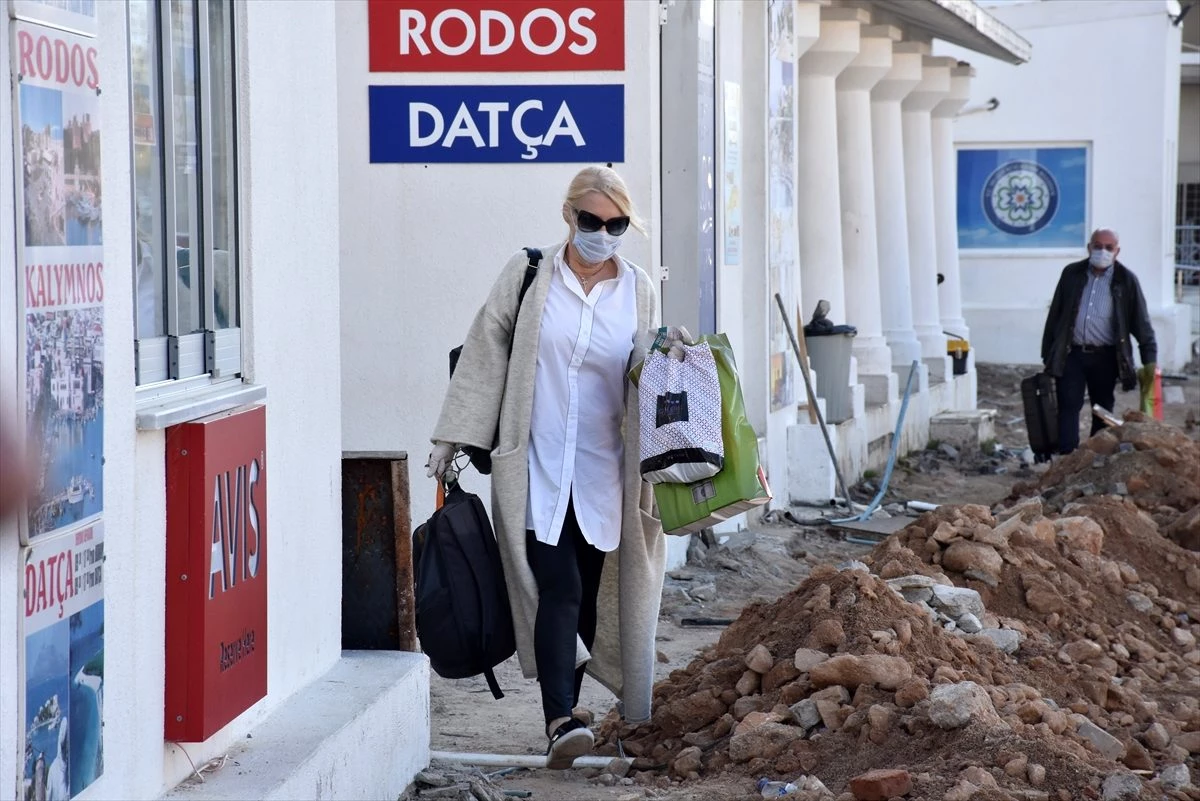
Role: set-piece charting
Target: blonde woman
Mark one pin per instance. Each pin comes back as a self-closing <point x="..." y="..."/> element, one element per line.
<point x="582" y="550"/>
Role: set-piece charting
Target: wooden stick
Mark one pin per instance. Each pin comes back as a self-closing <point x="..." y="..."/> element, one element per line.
<point x="803" y="343"/>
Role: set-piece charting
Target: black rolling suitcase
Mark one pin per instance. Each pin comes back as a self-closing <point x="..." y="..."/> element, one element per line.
<point x="1041" y="415"/>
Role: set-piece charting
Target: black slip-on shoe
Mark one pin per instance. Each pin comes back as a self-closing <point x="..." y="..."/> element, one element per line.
<point x="570" y="741"/>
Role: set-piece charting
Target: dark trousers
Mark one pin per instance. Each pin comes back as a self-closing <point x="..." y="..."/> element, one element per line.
<point x="568" y="580"/>
<point x="1094" y="371"/>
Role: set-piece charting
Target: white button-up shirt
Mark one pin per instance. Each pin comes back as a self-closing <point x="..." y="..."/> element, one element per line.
<point x="575" y="445"/>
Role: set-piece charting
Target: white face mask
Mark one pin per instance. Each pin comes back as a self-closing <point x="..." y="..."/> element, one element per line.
<point x="1102" y="259"/>
<point x="596" y="247"/>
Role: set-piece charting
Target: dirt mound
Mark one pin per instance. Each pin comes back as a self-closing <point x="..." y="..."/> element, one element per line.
<point x="1155" y="465"/>
<point x="1007" y="656"/>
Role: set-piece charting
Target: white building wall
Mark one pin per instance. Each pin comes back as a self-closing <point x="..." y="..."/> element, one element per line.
<point x="1113" y="98"/>
<point x="289" y="201"/>
<point x="422" y="244"/>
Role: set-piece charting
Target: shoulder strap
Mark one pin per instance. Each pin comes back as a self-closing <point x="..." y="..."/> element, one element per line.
<point x="535" y="256"/>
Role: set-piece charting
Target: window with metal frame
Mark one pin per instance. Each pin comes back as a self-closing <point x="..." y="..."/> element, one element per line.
<point x="1187" y="227"/>
<point x="186" y="277"/>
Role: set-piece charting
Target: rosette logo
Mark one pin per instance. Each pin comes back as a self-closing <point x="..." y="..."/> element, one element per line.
<point x="1020" y="197"/>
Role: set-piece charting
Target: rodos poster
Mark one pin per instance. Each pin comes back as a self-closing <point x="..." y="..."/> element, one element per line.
<point x="62" y="273"/>
<point x="64" y="664"/>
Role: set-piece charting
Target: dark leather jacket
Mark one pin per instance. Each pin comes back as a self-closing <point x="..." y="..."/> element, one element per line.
<point x="1129" y="317"/>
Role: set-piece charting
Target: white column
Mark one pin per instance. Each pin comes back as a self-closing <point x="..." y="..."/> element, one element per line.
<point x="922" y="231"/>
<point x="945" y="198"/>
<point x="817" y="191"/>
<point x="860" y="242"/>
<point x="890" y="203"/>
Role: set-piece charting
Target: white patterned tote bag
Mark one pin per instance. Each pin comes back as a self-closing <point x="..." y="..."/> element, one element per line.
<point x="680" y="405"/>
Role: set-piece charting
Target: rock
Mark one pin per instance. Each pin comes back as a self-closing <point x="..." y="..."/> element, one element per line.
<point x="910" y="581"/>
<point x="1175" y="777"/>
<point x="1081" y="533"/>
<point x="853" y="564"/>
<point x="827" y="634"/>
<point x="703" y="592"/>
<point x="1017" y="767"/>
<point x="964" y="556"/>
<point x="880" y="785"/>
<point x="1121" y="787"/>
<point x="850" y="670"/>
<point x="759" y="659"/>
<point x="745" y="706"/>
<point x="839" y="695"/>
<point x="1105" y="743"/>
<point x="912" y="692"/>
<point x="1137" y="757"/>
<point x="748" y="684"/>
<point x="1083" y="650"/>
<point x="687" y="761"/>
<point x="963" y="791"/>
<point x="970" y="624"/>
<point x="429" y="778"/>
<point x="953" y="706"/>
<point x="1183" y="638"/>
<point x="618" y="767"/>
<point x="957" y="601"/>
<point x="1037" y="774"/>
<point x="1139" y="602"/>
<point x="1157" y="736"/>
<point x="806" y="714"/>
<point x="833" y="714"/>
<point x="783" y="673"/>
<point x="808" y="658"/>
<point x="766" y="741"/>
<point x="1189" y="740"/>
<point x="1007" y="640"/>
<point x="978" y="776"/>
<point x="1040" y="595"/>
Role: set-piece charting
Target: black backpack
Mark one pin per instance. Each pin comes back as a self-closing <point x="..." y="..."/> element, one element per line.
<point x="463" y="617"/>
<point x="481" y="458"/>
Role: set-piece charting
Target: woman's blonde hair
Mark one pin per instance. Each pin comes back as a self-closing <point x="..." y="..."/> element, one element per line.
<point x="607" y="182"/>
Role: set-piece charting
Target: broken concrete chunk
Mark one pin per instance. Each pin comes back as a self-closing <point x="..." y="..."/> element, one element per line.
<point x="953" y="706"/>
<point x="1121" y="787"/>
<point x="957" y="601"/>
<point x="808" y="658"/>
<point x="1007" y="640"/>
<point x="1175" y="777"/>
<point x="1105" y="743"/>
<point x="970" y="624"/>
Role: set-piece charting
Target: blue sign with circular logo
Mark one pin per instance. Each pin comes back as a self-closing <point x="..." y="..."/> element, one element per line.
<point x="1020" y="197"/>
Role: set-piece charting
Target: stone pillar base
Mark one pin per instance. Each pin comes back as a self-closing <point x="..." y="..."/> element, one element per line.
<point x="964" y="430"/>
<point x="873" y="354"/>
<point x="811" y="477"/>
<point x="879" y="389"/>
<point x="941" y="369"/>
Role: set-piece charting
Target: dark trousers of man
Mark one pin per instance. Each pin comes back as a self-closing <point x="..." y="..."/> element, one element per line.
<point x="1093" y="369"/>
<point x="568" y="580"/>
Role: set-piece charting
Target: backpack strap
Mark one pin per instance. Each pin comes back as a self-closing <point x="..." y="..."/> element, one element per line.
<point x="493" y="685"/>
<point x="535" y="256"/>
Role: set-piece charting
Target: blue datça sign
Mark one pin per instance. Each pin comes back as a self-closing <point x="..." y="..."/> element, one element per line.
<point x="497" y="124"/>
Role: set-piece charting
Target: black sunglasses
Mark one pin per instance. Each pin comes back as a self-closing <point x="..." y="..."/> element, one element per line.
<point x="590" y="223"/>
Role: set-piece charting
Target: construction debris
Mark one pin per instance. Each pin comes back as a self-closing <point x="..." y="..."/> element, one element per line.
<point x="1044" y="650"/>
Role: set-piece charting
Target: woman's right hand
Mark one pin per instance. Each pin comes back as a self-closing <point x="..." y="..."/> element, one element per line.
<point x="440" y="459"/>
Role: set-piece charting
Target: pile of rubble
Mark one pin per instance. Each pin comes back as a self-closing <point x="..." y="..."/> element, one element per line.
<point x="1155" y="465"/>
<point x="1028" y="654"/>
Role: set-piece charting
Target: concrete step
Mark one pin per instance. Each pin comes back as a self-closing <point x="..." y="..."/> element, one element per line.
<point x="359" y="731"/>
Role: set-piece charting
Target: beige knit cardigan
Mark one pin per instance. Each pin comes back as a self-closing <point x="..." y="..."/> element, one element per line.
<point x="488" y="386"/>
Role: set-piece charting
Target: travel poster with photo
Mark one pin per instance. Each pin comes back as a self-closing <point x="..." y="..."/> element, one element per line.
<point x="62" y="275"/>
<point x="63" y="630"/>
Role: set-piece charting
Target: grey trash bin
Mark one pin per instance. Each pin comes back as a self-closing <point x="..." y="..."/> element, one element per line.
<point x="830" y="354"/>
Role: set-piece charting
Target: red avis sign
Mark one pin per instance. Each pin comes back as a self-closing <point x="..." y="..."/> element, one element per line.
<point x="216" y="571"/>
<point x="496" y="36"/>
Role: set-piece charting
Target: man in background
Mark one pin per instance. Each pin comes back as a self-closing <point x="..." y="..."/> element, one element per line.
<point x="1097" y="305"/>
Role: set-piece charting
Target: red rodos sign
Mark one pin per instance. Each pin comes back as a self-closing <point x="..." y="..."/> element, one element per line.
<point x="496" y="36"/>
<point x="216" y="571"/>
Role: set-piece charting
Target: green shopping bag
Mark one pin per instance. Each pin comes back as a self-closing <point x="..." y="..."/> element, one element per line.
<point x="741" y="484"/>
